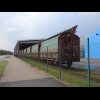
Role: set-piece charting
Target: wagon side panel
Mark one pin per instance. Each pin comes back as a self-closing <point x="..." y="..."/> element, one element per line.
<point x="52" y="45"/>
<point x="34" y="53"/>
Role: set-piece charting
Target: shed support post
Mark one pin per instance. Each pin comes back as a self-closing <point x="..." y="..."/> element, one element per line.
<point x="60" y="58"/>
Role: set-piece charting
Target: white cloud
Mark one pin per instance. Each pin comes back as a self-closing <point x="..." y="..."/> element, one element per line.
<point x="9" y="29"/>
<point x="5" y="42"/>
<point x="16" y="26"/>
<point x="90" y="13"/>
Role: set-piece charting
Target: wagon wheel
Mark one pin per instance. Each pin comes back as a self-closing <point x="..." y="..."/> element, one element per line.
<point x="69" y="64"/>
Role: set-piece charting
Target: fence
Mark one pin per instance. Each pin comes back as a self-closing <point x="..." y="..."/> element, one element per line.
<point x="82" y="74"/>
<point x="92" y="52"/>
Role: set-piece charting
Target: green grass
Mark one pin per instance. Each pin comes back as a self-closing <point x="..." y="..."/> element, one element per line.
<point x="74" y="77"/>
<point x="8" y="57"/>
<point x="2" y="66"/>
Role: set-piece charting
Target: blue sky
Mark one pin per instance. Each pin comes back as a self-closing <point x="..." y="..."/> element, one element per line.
<point x="16" y="26"/>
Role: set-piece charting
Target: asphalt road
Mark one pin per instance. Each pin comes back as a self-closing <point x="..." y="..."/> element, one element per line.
<point x="46" y="82"/>
<point x="3" y="58"/>
<point x="94" y="62"/>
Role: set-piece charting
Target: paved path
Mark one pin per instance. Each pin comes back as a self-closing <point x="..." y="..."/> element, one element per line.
<point x="19" y="74"/>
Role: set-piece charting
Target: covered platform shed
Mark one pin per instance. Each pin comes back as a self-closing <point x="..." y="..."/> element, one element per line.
<point x="22" y="44"/>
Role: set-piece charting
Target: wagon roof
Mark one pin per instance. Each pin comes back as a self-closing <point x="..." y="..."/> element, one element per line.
<point x="57" y="34"/>
<point x="60" y="33"/>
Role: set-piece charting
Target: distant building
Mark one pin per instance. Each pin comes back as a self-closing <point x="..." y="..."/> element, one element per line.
<point x="82" y="47"/>
<point x="94" y="44"/>
<point x="82" y="51"/>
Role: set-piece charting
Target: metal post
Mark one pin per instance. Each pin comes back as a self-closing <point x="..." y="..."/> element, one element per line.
<point x="35" y="58"/>
<point x="88" y="65"/>
<point x="60" y="58"/>
<point x="39" y="59"/>
<point x="47" y="59"/>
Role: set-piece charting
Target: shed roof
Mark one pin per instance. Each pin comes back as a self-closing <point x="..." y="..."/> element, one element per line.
<point x="22" y="44"/>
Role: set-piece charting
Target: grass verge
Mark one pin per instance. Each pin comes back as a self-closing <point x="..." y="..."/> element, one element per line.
<point x="73" y="77"/>
<point x="2" y="66"/>
<point x="8" y="57"/>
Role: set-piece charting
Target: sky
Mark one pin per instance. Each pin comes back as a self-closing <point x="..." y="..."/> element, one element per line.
<point x="16" y="26"/>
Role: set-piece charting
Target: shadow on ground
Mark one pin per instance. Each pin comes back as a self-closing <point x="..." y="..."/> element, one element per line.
<point x="46" y="82"/>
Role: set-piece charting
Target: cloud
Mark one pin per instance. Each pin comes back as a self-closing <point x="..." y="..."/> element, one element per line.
<point x="90" y="13"/>
<point x="4" y="42"/>
<point x="9" y="29"/>
<point x="28" y="24"/>
<point x="16" y="26"/>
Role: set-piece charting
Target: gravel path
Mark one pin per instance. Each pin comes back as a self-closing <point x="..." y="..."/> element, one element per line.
<point x="20" y="74"/>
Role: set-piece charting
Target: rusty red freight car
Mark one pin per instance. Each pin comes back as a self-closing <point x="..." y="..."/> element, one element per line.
<point x="70" y="48"/>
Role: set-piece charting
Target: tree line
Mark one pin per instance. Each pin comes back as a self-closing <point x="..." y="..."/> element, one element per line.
<point x="5" y="52"/>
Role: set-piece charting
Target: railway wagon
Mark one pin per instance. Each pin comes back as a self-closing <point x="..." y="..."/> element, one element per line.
<point x="28" y="52"/>
<point x="69" y="44"/>
<point x="24" y="52"/>
<point x="34" y="52"/>
<point x="31" y="52"/>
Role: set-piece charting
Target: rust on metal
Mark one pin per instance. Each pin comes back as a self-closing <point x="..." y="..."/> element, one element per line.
<point x="70" y="48"/>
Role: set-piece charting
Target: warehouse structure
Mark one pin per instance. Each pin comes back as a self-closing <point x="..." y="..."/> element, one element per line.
<point x="94" y="45"/>
<point x="24" y="44"/>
